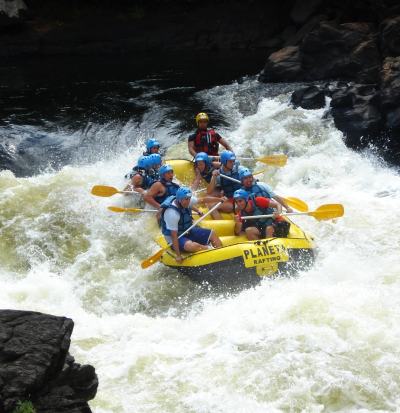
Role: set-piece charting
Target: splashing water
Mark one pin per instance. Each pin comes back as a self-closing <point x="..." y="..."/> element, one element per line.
<point x="325" y="341"/>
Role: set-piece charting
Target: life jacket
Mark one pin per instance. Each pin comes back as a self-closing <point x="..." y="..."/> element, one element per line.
<point x="227" y="185"/>
<point x="257" y="190"/>
<point x="171" y="188"/>
<point x="256" y="210"/>
<point x="206" y="141"/>
<point x="207" y="174"/>
<point x="185" y="220"/>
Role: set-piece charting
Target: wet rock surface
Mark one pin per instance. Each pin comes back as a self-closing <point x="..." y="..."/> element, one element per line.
<point x="35" y="364"/>
<point x="358" y="46"/>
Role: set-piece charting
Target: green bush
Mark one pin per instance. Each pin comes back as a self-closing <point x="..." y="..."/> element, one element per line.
<point x="24" y="407"/>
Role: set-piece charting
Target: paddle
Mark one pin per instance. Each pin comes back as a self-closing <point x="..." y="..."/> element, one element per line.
<point x="105" y="191"/>
<point x="119" y="209"/>
<point x="293" y="202"/>
<point x="156" y="257"/>
<point x="273" y="160"/>
<point x="134" y="210"/>
<point x="324" y="212"/>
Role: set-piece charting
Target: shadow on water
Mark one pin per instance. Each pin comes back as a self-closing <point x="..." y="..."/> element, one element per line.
<point x="50" y="109"/>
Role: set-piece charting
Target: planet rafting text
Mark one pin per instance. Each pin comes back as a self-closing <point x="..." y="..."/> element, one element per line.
<point x="262" y="254"/>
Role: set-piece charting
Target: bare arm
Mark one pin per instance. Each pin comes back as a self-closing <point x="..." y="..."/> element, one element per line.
<point x="283" y="202"/>
<point x="225" y="144"/>
<point x="207" y="199"/>
<point x="196" y="181"/>
<point x="154" y="190"/>
<point x="238" y="225"/>
<point x="191" y="148"/>
<point x="213" y="182"/>
<point x="276" y="205"/>
<point x="175" y="244"/>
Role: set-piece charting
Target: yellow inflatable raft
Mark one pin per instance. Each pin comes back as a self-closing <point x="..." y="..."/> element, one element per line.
<point x="239" y="261"/>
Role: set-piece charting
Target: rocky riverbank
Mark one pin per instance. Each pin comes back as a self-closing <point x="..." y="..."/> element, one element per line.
<point x="361" y="51"/>
<point x="35" y="365"/>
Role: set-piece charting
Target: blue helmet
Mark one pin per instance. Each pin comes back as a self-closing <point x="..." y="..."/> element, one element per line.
<point x="154" y="159"/>
<point x="183" y="192"/>
<point x="227" y="156"/>
<point x="241" y="194"/>
<point x="143" y="162"/>
<point x="202" y="156"/>
<point x="151" y="143"/>
<point x="244" y="173"/>
<point x="164" y="169"/>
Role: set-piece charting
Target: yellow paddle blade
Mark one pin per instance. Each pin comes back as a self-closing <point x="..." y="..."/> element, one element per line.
<point x="296" y="203"/>
<point x="328" y="211"/>
<point x="119" y="209"/>
<point x="259" y="172"/>
<point x="274" y="160"/>
<point x="102" y="190"/>
<point x="153" y="259"/>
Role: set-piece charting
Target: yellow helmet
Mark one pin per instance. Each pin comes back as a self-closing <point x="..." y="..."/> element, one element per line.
<point x="201" y="116"/>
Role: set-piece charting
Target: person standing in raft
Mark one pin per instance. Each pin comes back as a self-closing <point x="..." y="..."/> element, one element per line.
<point x="205" y="139"/>
<point x="247" y="206"/>
<point x="229" y="167"/>
<point x="203" y="167"/>
<point x="176" y="218"/>
<point x="161" y="189"/>
<point x="255" y="188"/>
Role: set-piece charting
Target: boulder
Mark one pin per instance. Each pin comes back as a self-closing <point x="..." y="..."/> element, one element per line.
<point x="310" y="97"/>
<point x="341" y="51"/>
<point x="285" y="64"/>
<point x="35" y="364"/>
<point x="329" y="50"/>
<point x="390" y="83"/>
<point x="356" y="112"/>
<point x="390" y="36"/>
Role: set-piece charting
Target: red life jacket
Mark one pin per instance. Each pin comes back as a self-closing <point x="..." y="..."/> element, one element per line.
<point x="206" y="141"/>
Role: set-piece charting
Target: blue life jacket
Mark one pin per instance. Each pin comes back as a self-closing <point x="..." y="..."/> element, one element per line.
<point x="185" y="220"/>
<point x="171" y="189"/>
<point x="227" y="185"/>
<point x="207" y="174"/>
<point x="257" y="190"/>
<point x="147" y="179"/>
<point x="256" y="211"/>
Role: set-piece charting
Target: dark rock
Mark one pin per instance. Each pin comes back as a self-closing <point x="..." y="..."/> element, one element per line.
<point x="303" y="10"/>
<point x="390" y="83"/>
<point x="329" y="51"/>
<point x="345" y="51"/>
<point x="393" y="120"/>
<point x="283" y="64"/>
<point x="390" y="37"/>
<point x="305" y="29"/>
<point x="356" y="112"/>
<point x="311" y="97"/>
<point x="35" y="365"/>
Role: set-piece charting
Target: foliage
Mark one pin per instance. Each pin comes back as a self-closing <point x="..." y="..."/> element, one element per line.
<point x="24" y="407"/>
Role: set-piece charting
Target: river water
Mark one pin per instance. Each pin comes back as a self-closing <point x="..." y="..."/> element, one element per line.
<point x="325" y="341"/>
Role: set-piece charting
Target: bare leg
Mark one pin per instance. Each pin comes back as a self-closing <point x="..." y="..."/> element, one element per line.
<point x="269" y="231"/>
<point x="252" y="233"/>
<point x="191" y="246"/>
<point x="215" y="214"/>
<point x="215" y="241"/>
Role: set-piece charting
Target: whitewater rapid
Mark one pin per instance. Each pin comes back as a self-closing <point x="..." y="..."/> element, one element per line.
<point x="327" y="340"/>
